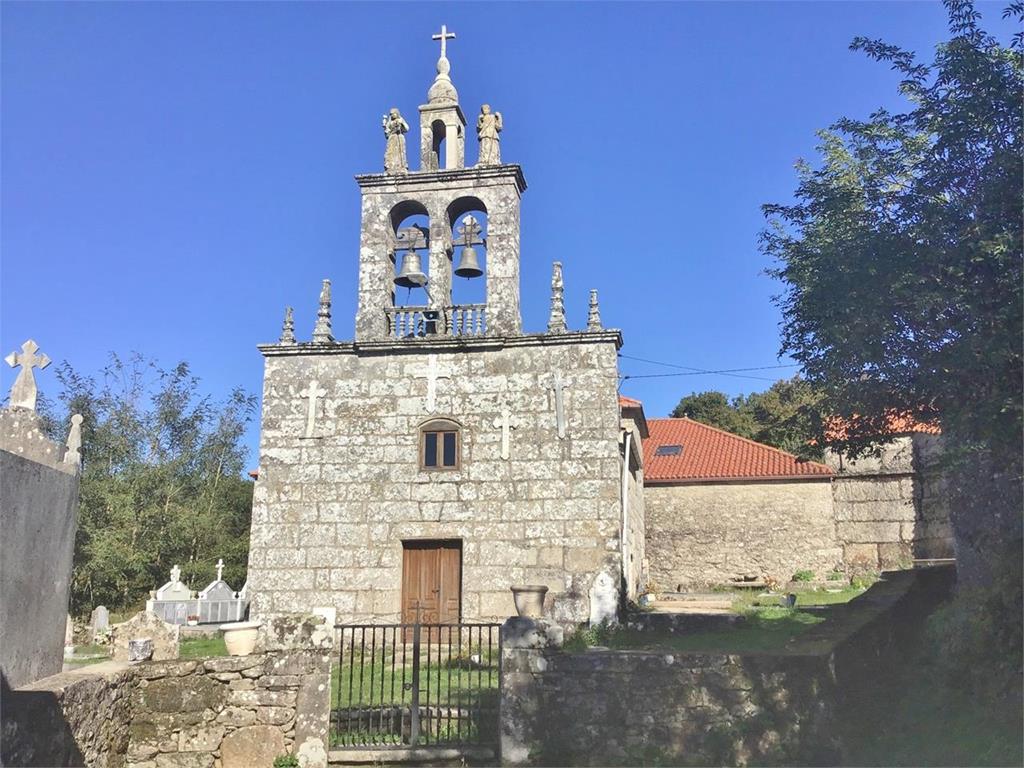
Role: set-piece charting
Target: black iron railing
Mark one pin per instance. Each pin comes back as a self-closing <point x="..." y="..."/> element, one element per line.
<point x="416" y="685"/>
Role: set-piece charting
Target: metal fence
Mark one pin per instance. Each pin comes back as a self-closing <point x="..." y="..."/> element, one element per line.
<point x="418" y="685"/>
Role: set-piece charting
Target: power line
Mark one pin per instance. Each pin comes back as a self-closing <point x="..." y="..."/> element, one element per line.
<point x="691" y="371"/>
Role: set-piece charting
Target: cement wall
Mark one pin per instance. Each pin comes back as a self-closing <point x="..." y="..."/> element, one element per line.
<point x="38" y="509"/>
<point x="708" y="533"/>
<point x="331" y="511"/>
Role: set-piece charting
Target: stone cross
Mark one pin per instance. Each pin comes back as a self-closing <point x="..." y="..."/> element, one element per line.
<point x="175" y="575"/>
<point x="73" y="455"/>
<point x="506" y="424"/>
<point x="558" y="384"/>
<point x="444" y="37"/>
<point x="220" y="569"/>
<point x="23" y="393"/>
<point x="312" y="392"/>
<point x="432" y="374"/>
<point x="469" y="232"/>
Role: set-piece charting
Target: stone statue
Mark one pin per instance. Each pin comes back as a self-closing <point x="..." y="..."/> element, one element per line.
<point x="395" y="129"/>
<point x="488" y="126"/>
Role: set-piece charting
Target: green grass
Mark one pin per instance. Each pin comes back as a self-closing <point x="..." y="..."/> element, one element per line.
<point x="761" y="630"/>
<point x="202" y="647"/>
<point x="823" y="597"/>
<point x="378" y="677"/>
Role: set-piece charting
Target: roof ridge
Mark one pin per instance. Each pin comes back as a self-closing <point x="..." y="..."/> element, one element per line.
<point x="740" y="437"/>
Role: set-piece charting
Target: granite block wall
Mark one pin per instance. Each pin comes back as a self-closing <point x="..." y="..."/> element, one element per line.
<point x="331" y="510"/>
<point x="704" y="534"/>
<point x="893" y="508"/>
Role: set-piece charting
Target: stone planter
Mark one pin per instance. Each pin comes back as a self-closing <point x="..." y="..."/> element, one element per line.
<point x="240" y="637"/>
<point x="529" y="600"/>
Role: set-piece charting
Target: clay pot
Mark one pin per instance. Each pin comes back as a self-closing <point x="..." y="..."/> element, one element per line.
<point x="240" y="637"/>
<point x="529" y="600"/>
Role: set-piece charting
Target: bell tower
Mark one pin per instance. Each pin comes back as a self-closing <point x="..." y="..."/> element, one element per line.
<point x="422" y="229"/>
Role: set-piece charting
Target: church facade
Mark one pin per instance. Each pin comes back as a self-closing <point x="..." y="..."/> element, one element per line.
<point x="443" y="456"/>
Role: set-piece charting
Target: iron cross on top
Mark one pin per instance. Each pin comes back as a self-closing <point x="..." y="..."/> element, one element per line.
<point x="443" y="37"/>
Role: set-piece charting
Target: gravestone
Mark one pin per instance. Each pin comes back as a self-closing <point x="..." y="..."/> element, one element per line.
<point x="100" y="620"/>
<point x="142" y="626"/>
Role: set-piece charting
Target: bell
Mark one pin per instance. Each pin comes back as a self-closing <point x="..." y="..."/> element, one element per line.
<point x="468" y="265"/>
<point x="411" y="274"/>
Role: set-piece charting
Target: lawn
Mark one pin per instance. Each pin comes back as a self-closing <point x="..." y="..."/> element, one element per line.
<point x="202" y="647"/>
<point x="761" y="630"/>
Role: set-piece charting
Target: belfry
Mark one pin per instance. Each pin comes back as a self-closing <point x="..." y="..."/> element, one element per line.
<point x="443" y="456"/>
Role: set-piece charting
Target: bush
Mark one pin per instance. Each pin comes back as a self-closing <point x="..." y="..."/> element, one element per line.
<point x="803" y="576"/>
<point x="836" y="576"/>
<point x="286" y="761"/>
<point x="864" y="580"/>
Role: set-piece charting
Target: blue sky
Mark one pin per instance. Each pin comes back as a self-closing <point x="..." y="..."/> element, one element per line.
<point x="174" y="174"/>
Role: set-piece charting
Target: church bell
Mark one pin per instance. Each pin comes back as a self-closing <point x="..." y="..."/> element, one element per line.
<point x="411" y="274"/>
<point x="468" y="265"/>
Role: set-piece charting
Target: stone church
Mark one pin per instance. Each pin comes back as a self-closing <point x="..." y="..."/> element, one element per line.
<point x="444" y="454"/>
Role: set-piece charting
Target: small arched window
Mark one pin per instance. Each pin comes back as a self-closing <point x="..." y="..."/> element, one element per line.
<point x="440" y="445"/>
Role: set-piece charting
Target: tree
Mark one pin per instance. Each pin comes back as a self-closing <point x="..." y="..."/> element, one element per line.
<point x="786" y="415"/>
<point x="715" y="409"/>
<point x="161" y="481"/>
<point x="902" y="269"/>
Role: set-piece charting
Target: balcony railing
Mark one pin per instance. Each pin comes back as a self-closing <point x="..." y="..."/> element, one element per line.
<point x="420" y="322"/>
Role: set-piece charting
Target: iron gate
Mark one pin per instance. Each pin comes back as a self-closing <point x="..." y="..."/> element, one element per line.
<point x="398" y="685"/>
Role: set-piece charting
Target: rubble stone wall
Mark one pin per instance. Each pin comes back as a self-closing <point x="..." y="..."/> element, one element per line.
<point x="331" y="511"/>
<point x="708" y="533"/>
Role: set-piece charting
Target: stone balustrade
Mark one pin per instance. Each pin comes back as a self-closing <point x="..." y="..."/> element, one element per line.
<point x="417" y="322"/>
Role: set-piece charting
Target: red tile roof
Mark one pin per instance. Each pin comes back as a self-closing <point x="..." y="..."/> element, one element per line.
<point x="713" y="454"/>
<point x="896" y="423"/>
<point x="629" y="402"/>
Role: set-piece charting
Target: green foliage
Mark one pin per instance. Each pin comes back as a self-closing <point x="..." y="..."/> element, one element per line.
<point x="901" y="256"/>
<point x="286" y="761"/>
<point x="864" y="580"/>
<point x="588" y="636"/>
<point x="836" y="576"/>
<point x="803" y="576"/>
<point x="786" y="415"/>
<point x="161" y="481"/>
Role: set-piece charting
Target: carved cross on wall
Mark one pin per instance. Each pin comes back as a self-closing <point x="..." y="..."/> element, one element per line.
<point x="558" y="385"/>
<point x="506" y="424"/>
<point x="431" y="374"/>
<point x="312" y="392"/>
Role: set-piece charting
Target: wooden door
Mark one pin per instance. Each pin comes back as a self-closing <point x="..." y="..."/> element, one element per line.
<point x="432" y="579"/>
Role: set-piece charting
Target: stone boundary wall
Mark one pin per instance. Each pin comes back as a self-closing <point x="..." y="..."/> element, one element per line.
<point x="224" y="712"/>
<point x="603" y="707"/>
<point x="702" y="534"/>
<point x="894" y="507"/>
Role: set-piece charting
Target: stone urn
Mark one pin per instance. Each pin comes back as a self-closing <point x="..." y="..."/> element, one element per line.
<point x="240" y="637"/>
<point x="529" y="600"/>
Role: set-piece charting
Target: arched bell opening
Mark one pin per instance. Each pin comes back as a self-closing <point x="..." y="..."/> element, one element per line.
<point x="438" y="134"/>
<point x="409" y="254"/>
<point x="469" y="258"/>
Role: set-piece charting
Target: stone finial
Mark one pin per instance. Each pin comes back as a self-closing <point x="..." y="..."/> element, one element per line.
<point x="488" y="126"/>
<point x="288" y="327"/>
<point x="73" y="455"/>
<point x="443" y="90"/>
<point x="395" y="128"/>
<point x="556" y="320"/>
<point x="322" y="329"/>
<point x="23" y="393"/>
<point x="594" y="313"/>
